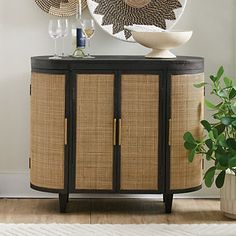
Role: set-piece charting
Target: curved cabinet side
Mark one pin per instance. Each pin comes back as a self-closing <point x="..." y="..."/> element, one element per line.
<point x="187" y="110"/>
<point x="47" y="130"/>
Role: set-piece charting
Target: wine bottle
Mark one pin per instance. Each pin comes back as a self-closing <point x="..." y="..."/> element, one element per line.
<point x="78" y="38"/>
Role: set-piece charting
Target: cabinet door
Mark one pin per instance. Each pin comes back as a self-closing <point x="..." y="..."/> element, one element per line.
<point x="186" y="113"/>
<point x="139" y="132"/>
<point x="94" y="132"/>
<point x="47" y="130"/>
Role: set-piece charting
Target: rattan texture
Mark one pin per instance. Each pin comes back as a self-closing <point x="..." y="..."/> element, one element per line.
<point x="47" y="130"/>
<point x="94" y="131"/>
<point x="61" y="8"/>
<point x="139" y="136"/>
<point x="187" y="110"/>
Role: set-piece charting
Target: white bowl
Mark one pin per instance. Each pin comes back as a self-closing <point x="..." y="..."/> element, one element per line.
<point x="162" y="42"/>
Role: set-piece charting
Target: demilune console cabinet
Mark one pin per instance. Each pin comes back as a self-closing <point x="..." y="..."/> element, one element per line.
<point x="115" y="124"/>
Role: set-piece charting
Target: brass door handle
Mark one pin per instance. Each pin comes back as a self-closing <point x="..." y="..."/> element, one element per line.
<point x="203" y="164"/>
<point x="114" y="132"/>
<point x="119" y="132"/>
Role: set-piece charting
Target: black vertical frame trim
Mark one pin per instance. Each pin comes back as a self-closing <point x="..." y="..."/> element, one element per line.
<point x="73" y="88"/>
<point x="162" y="132"/>
<point x="67" y="116"/>
<point x="167" y="117"/>
<point x="117" y="115"/>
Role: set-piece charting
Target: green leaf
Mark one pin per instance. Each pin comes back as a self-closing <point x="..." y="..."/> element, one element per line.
<point x="220" y="179"/>
<point x="206" y="125"/>
<point x="234" y="123"/>
<point x="215" y="133"/>
<point x="209" y="176"/>
<point x="214" y="148"/>
<point x="209" y="155"/>
<point x="226" y="121"/>
<point x="232" y="162"/>
<point x="211" y="135"/>
<point x="220" y="73"/>
<point x="231" y="142"/>
<point x="228" y="81"/>
<point x="219" y="167"/>
<point x="220" y="128"/>
<point x="209" y="143"/>
<point x="217" y="116"/>
<point x="213" y="78"/>
<point x="223" y="143"/>
<point x="220" y="150"/>
<point x="188" y="137"/>
<point x="233" y="107"/>
<point x="189" y="146"/>
<point x="210" y="105"/>
<point x="200" y="85"/>
<point x="222" y="140"/>
<point x="219" y="105"/>
<point x="232" y="94"/>
<point x="223" y="160"/>
<point x="222" y="93"/>
<point x="191" y="155"/>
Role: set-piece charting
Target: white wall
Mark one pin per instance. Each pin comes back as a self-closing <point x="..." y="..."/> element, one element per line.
<point x="23" y="33"/>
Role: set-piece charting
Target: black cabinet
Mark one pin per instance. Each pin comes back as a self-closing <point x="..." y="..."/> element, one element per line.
<point x="114" y="124"/>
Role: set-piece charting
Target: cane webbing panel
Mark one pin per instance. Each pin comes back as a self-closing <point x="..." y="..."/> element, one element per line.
<point x="139" y="132"/>
<point x="94" y="131"/>
<point x="47" y="130"/>
<point x="186" y="112"/>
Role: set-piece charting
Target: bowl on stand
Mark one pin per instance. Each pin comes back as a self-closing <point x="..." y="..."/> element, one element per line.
<point x="162" y="42"/>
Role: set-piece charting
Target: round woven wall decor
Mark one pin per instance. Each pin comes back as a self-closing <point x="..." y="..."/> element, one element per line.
<point x="60" y="7"/>
<point x="114" y="15"/>
<point x="137" y="3"/>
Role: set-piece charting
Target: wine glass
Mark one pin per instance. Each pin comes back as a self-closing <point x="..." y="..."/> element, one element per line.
<point x="64" y="25"/>
<point x="88" y="29"/>
<point x="54" y="30"/>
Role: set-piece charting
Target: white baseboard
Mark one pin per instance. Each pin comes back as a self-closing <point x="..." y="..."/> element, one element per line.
<point x="17" y="185"/>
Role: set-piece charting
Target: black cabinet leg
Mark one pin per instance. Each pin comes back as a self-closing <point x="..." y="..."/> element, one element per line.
<point x="63" y="199"/>
<point x="164" y="200"/>
<point x="168" y="199"/>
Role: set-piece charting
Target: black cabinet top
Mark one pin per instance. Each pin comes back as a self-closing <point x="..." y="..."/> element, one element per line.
<point x="118" y="63"/>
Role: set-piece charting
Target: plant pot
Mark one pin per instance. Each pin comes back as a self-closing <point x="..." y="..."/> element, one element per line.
<point x="228" y="196"/>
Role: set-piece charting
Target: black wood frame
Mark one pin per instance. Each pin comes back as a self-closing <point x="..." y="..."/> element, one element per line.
<point x="118" y="65"/>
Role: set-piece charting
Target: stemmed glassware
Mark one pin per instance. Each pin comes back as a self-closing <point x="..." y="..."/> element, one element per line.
<point x="55" y="32"/>
<point x="88" y="29"/>
<point x="64" y="26"/>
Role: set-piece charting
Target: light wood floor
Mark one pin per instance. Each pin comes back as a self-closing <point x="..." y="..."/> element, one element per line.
<point x="111" y="211"/>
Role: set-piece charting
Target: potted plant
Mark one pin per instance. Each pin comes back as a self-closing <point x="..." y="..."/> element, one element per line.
<point x="218" y="144"/>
